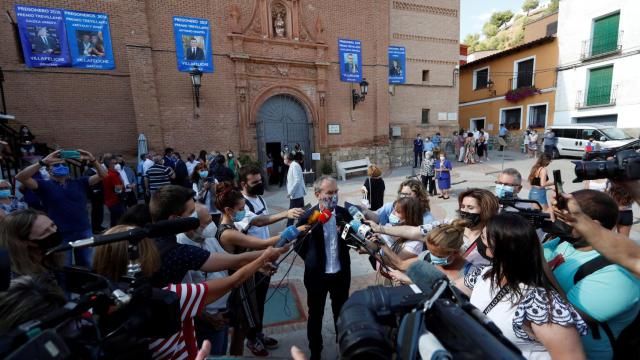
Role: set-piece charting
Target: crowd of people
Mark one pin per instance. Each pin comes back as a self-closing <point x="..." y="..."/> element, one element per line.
<point x="569" y="294"/>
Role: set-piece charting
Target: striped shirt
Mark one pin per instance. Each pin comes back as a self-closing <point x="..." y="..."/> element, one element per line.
<point x="159" y="176"/>
<point x="182" y="345"/>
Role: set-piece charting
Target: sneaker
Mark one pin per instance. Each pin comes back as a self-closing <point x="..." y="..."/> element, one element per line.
<point x="268" y="342"/>
<point x="257" y="349"/>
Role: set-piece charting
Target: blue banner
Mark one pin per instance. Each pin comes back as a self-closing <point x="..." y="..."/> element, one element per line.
<point x="397" y="65"/>
<point x="89" y="40"/>
<point x="350" y="53"/>
<point x="193" y="43"/>
<point x="42" y="35"/>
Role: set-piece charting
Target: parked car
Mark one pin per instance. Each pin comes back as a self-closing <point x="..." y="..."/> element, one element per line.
<point x="572" y="139"/>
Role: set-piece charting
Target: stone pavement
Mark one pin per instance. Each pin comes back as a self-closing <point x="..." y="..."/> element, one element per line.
<point x="480" y="175"/>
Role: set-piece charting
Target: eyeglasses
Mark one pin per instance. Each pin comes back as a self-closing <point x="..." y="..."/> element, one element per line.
<point x="506" y="184"/>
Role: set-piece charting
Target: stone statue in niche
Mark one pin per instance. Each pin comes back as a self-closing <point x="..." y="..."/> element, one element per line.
<point x="279" y="26"/>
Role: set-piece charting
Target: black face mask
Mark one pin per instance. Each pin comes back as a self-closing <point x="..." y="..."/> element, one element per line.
<point x="257" y="189"/>
<point x="49" y="242"/>
<point x="474" y="219"/>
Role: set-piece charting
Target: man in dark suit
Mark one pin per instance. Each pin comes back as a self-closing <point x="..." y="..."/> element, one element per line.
<point x="182" y="174"/>
<point x="395" y="69"/>
<point x="194" y="52"/>
<point x="43" y="43"/>
<point x="350" y="67"/>
<point x="327" y="267"/>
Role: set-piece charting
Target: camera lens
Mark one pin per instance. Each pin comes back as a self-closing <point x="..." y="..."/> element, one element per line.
<point x="591" y="170"/>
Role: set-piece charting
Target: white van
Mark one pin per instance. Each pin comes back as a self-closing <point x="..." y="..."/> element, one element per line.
<point x="572" y="139"/>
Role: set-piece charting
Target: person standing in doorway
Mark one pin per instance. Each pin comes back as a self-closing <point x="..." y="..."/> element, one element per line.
<point x="417" y="150"/>
<point x="284" y="169"/>
<point x="295" y="184"/>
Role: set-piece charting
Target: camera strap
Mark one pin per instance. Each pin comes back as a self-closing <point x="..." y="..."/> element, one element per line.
<point x="496" y="299"/>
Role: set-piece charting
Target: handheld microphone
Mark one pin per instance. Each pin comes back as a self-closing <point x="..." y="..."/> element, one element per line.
<point x="425" y="275"/>
<point x="289" y="234"/>
<point x="427" y="228"/>
<point x="363" y="231"/>
<point x="356" y="214"/>
<point x="160" y="228"/>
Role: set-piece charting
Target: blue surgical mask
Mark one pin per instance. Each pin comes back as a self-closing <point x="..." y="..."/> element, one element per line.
<point x="60" y="170"/>
<point x="503" y="191"/>
<point x="5" y="193"/>
<point x="394" y="219"/>
<point x="203" y="174"/>
<point x="239" y="216"/>
<point x="435" y="260"/>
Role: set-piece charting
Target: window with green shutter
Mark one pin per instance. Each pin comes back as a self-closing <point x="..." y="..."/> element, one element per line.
<point x="599" y="92"/>
<point x="605" y="34"/>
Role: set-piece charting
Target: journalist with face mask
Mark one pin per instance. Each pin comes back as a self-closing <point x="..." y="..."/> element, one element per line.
<point x="517" y="295"/>
<point x="408" y="188"/>
<point x="608" y="294"/>
<point x="477" y="206"/>
<point x="8" y="202"/>
<point x="65" y="198"/>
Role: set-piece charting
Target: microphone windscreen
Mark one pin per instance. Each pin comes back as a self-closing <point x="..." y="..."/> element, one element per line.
<point x="172" y="227"/>
<point x="313" y="217"/>
<point x="355" y="225"/>
<point x="424" y="275"/>
<point x="324" y="216"/>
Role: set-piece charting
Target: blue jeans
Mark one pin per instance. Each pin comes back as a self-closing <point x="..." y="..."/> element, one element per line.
<point x="219" y="339"/>
<point x="80" y="257"/>
<point x="539" y="195"/>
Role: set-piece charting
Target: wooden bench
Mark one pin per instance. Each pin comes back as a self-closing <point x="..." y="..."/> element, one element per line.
<point x="345" y="167"/>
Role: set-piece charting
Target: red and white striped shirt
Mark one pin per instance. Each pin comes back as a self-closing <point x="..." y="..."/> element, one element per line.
<point x="182" y="345"/>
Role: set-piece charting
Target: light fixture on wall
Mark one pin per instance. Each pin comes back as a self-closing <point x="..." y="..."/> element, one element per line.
<point x="364" y="89"/>
<point x="196" y="78"/>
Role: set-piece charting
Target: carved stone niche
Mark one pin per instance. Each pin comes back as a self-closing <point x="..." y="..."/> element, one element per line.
<point x="280" y="20"/>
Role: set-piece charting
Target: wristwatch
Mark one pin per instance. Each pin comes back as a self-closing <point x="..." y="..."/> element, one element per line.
<point x="42" y="163"/>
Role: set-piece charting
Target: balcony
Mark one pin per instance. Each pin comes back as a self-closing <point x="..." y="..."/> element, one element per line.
<point x="522" y="80"/>
<point x="601" y="46"/>
<point x="596" y="97"/>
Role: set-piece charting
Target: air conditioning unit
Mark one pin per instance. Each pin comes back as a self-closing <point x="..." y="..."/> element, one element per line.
<point x="396" y="131"/>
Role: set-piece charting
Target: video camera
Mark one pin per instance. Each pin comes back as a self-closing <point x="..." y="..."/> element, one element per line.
<point x="625" y="164"/>
<point x="525" y="208"/>
<point x="433" y="321"/>
<point x="106" y="320"/>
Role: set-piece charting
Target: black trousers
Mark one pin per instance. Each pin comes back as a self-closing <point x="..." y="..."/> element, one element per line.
<point x="429" y="183"/>
<point x="283" y="174"/>
<point x="318" y="285"/>
<point x="295" y="203"/>
<point x="262" y="287"/>
<point x="97" y="211"/>
<point x="417" y="155"/>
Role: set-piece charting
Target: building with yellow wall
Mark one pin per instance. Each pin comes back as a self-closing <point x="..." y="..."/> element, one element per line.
<point x="515" y="87"/>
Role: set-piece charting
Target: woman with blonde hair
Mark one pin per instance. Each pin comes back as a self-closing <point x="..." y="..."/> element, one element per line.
<point x="373" y="188"/>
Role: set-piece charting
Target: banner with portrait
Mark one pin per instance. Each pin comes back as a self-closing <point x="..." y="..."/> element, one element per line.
<point x="397" y="65"/>
<point x="42" y="34"/>
<point x="350" y="54"/>
<point x="193" y="44"/>
<point x="89" y="40"/>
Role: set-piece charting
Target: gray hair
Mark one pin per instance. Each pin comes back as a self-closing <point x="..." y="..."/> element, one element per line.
<point x="157" y="159"/>
<point x="317" y="185"/>
<point x="289" y="156"/>
<point x="513" y="172"/>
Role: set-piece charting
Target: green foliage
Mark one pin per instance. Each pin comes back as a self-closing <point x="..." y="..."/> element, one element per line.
<point x="518" y="38"/>
<point x="246" y="160"/>
<point x="489" y="30"/>
<point x="553" y="7"/>
<point x="500" y="18"/>
<point x="326" y="168"/>
<point x="529" y="5"/>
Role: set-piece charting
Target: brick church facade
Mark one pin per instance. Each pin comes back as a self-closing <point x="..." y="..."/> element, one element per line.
<point x="269" y="88"/>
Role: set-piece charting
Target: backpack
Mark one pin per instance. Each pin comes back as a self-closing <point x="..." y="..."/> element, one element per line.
<point x="628" y="341"/>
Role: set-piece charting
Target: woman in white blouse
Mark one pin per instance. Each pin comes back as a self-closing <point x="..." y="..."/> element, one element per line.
<point x="515" y="293"/>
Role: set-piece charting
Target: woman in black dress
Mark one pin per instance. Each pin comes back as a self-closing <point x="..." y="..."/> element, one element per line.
<point x="374" y="188"/>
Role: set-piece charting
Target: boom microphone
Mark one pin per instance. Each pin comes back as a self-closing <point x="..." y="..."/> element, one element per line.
<point x="160" y="228"/>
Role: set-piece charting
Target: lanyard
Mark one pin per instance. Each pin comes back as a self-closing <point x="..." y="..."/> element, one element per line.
<point x="503" y="291"/>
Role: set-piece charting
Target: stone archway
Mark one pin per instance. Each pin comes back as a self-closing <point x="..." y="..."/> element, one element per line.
<point x="284" y="119"/>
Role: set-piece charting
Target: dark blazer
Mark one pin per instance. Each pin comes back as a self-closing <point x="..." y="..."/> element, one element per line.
<point x="182" y="174"/>
<point x="312" y="249"/>
<point x="198" y="55"/>
<point x="40" y="47"/>
<point x="351" y="68"/>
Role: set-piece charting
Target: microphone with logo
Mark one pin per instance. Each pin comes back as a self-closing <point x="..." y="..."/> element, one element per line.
<point x="291" y="233"/>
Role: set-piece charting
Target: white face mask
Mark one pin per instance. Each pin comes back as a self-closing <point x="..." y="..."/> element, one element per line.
<point x="210" y="231"/>
<point x="441" y="158"/>
<point x="118" y="167"/>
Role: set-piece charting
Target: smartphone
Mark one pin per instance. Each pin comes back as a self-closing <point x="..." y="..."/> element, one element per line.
<point x="69" y="154"/>
<point x="557" y="180"/>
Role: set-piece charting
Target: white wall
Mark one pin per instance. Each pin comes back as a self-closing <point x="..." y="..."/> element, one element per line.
<point x="575" y="26"/>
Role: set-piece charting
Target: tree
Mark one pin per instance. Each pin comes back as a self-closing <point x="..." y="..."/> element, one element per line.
<point x="489" y="30"/>
<point x="553" y="7"/>
<point x="529" y="5"/>
<point x="500" y="18"/>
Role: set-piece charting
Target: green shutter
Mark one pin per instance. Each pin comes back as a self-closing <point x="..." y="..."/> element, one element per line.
<point x="605" y="35"/>
<point x="599" y="92"/>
